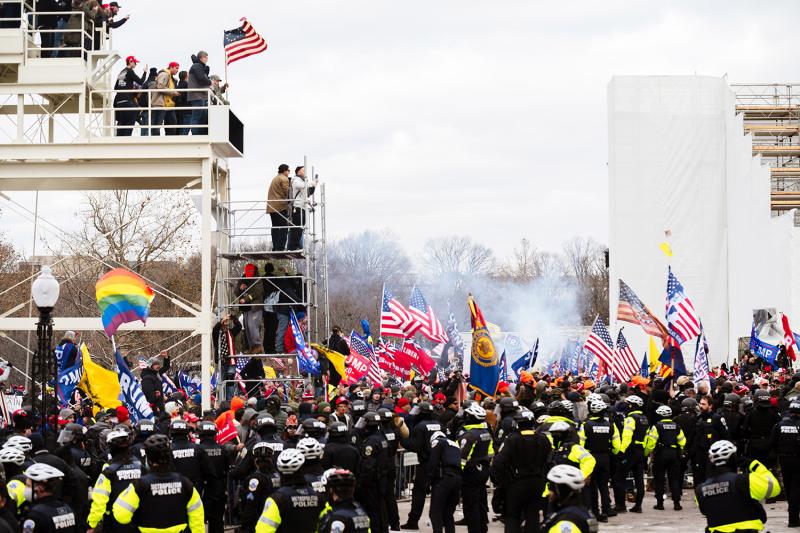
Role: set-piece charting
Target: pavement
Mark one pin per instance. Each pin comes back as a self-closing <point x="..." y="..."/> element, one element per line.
<point x="687" y="520"/>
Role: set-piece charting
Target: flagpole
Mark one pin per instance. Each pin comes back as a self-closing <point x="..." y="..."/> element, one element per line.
<point x="380" y="311"/>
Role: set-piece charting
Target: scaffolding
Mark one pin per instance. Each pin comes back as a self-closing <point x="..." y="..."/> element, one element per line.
<point x="771" y="113"/>
<point x="58" y="133"/>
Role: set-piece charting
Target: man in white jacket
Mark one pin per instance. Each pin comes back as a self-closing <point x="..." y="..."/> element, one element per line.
<point x="301" y="193"/>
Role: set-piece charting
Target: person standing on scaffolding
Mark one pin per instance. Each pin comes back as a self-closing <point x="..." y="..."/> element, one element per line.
<point x="278" y="208"/>
<point x="299" y="203"/>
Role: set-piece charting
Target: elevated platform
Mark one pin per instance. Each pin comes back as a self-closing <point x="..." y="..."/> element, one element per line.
<point x="264" y="255"/>
<point x="772" y="130"/>
<point x="769" y="150"/>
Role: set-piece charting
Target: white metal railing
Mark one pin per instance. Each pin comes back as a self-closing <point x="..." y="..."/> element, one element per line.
<point x="133" y="114"/>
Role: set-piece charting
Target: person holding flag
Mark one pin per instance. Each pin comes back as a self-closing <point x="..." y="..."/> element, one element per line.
<point x="484" y="368"/>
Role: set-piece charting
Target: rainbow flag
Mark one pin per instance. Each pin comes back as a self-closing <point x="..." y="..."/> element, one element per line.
<point x="122" y="297"/>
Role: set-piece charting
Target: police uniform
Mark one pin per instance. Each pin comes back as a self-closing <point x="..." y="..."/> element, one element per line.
<point x="343" y="516"/>
<point x="571" y="518"/>
<point x="392" y="435"/>
<point x="213" y="494"/>
<point x="601" y="439"/>
<point x="190" y="460"/>
<point x="444" y="470"/>
<point x="17" y="491"/>
<point x="419" y="442"/>
<point x="341" y="454"/>
<point x="113" y="479"/>
<point x="519" y="468"/>
<point x="477" y="451"/>
<point x="668" y="441"/>
<point x="255" y="490"/>
<point x="292" y="508"/>
<point x="786" y="441"/>
<point x="729" y="500"/>
<point x="634" y="431"/>
<point x="50" y="515"/>
<point x="709" y="428"/>
<point x="161" y="502"/>
<point x="371" y="484"/>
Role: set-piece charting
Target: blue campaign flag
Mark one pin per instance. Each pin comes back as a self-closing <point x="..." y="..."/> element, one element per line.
<point x="645" y="370"/>
<point x="503" y="367"/>
<point x="68" y="379"/>
<point x="167" y="385"/>
<point x="130" y="392"/>
<point x="765" y="351"/>
<point x="306" y="362"/>
<point x="185" y="383"/>
<point x="526" y="360"/>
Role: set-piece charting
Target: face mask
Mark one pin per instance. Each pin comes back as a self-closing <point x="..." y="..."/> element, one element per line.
<point x="27" y="493"/>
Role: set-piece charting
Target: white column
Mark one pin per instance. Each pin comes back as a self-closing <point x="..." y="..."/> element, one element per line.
<point x="205" y="284"/>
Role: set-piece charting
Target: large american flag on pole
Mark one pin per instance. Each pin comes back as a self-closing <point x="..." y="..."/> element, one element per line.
<point x="424" y="319"/>
<point x="625" y="363"/>
<point x="395" y="318"/>
<point x="632" y="309"/>
<point x="600" y="342"/>
<point x="682" y="318"/>
<point x="361" y="346"/>
<point x="242" y="42"/>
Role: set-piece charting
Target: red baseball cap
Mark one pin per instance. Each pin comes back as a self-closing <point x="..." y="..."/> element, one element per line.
<point x="174" y="64"/>
<point x="131" y="58"/>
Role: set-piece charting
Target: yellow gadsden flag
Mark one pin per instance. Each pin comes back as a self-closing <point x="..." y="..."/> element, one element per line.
<point x="336" y="359"/>
<point x="101" y="384"/>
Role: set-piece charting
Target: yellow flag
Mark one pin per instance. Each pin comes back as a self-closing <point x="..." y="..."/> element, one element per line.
<point x="666" y="248"/>
<point x="654" y="354"/>
<point x="336" y="359"/>
<point x="101" y="384"/>
<point x="269" y="372"/>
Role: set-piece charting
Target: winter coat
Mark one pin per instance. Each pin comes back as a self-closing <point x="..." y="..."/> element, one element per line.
<point x="151" y="387"/>
<point x="198" y="79"/>
<point x="278" y="195"/>
<point x="164" y="80"/>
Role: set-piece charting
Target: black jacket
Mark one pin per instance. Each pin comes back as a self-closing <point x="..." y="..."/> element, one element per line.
<point x="151" y="387"/>
<point x="198" y="79"/>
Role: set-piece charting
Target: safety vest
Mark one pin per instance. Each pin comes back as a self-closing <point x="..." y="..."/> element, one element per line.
<point x="789" y="436"/>
<point x="667" y="434"/>
<point x="293" y="508"/>
<point x="640" y="428"/>
<point x="724" y="504"/>
<point x="572" y="514"/>
<point x="163" y="498"/>
<point x="598" y="434"/>
<point x="344" y="515"/>
<point x="50" y="516"/>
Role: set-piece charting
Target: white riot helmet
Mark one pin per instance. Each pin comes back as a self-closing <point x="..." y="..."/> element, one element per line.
<point x="310" y="448"/>
<point x="475" y="411"/>
<point x="664" y="411"/>
<point x="12" y="455"/>
<point x="635" y="400"/>
<point x="19" y="442"/>
<point x="42" y="472"/>
<point x="290" y="461"/>
<point x="597" y="405"/>
<point x="566" y="475"/>
<point x="721" y="452"/>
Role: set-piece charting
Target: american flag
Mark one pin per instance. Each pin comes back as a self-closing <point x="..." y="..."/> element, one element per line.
<point x="241" y="362"/>
<point x="360" y="345"/>
<point x="600" y="342"/>
<point x="242" y="42"/>
<point x="682" y="319"/>
<point x="424" y="320"/>
<point x="632" y="309"/>
<point x="625" y="364"/>
<point x="395" y="318"/>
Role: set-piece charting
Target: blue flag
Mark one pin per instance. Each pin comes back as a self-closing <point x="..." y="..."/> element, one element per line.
<point x="131" y="393"/>
<point x="167" y="385"/>
<point x="484" y="365"/>
<point x="672" y="357"/>
<point x="306" y="362"/>
<point x="645" y="370"/>
<point x="68" y="379"/>
<point x="503" y="367"/>
<point x="765" y="351"/>
<point x="526" y="360"/>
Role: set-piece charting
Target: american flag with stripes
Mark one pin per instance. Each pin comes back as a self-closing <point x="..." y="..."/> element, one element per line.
<point x="241" y="362"/>
<point x="625" y="364"/>
<point x="600" y="342"/>
<point x="424" y="319"/>
<point x="395" y="318"/>
<point x="632" y="309"/>
<point x="242" y="42"/>
<point x="360" y="345"/>
<point x="682" y="318"/>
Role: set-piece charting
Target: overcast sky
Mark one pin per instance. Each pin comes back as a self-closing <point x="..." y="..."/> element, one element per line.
<point x="449" y="117"/>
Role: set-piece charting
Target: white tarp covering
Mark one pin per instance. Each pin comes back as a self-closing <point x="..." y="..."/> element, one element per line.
<point x="679" y="160"/>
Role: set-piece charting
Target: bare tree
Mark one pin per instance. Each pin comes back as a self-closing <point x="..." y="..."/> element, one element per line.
<point x="529" y="263"/>
<point x="585" y="260"/>
<point x="457" y="255"/>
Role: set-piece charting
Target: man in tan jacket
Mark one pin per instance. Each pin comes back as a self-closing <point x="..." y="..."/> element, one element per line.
<point x="278" y="208"/>
<point x="163" y="101"/>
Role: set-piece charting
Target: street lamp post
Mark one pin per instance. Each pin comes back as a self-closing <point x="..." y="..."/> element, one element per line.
<point x="44" y="291"/>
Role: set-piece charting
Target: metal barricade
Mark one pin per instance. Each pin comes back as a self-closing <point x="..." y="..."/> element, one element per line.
<point x="405" y="468"/>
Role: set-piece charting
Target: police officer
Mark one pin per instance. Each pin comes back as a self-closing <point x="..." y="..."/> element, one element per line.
<point x="631" y="447"/>
<point x="143" y="429"/>
<point x="477" y="451"/>
<point x="668" y="441"/>
<point x="338" y="452"/>
<point x="12" y="460"/>
<point x="257" y="487"/>
<point x="757" y="429"/>
<point x="730" y="501"/>
<point x="392" y="435"/>
<point x="73" y="437"/>
<point x="312" y="465"/>
<point x="567" y="450"/>
<point x="217" y="466"/>
<point x="342" y="514"/>
<point x="189" y="458"/>
<point x="115" y="477"/>
<point x="709" y="428"/>
<point x="419" y="442"/>
<point x="265" y="430"/>
<point x="371" y="487"/>
<point x="48" y="514"/>
<point x="786" y="441"/>
<point x="508" y="407"/>
<point x="162" y="500"/>
<point x="519" y="468"/>
<point x="687" y="421"/>
<point x="311" y="427"/>
<point x="561" y="411"/>
<point x="295" y="506"/>
<point x="569" y="515"/>
<point x="734" y="419"/>
<point x="444" y="470"/>
<point x="601" y="439"/>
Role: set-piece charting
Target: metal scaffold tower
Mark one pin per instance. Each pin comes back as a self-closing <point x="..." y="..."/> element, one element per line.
<point x="58" y="133"/>
<point x="771" y="113"/>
